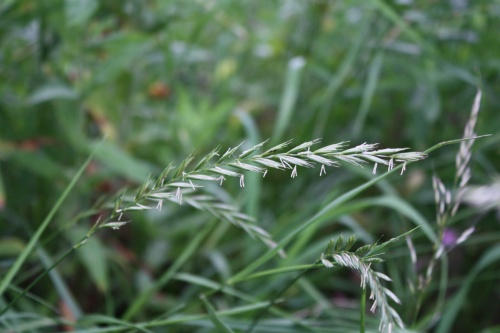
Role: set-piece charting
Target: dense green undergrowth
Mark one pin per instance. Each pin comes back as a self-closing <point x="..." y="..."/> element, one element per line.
<point x="115" y="124"/>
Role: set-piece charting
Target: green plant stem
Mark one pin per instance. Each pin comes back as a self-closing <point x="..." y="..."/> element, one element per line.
<point x="169" y="274"/>
<point x="450" y="142"/>
<point x="31" y="245"/>
<point x="274" y="299"/>
<point x="40" y="277"/>
<point x="283" y="270"/>
<point x="362" y="310"/>
<point x="177" y="319"/>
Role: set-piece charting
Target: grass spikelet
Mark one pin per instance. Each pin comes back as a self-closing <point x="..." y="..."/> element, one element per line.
<point x="338" y="253"/>
<point x="463" y="157"/>
<point x="184" y="183"/>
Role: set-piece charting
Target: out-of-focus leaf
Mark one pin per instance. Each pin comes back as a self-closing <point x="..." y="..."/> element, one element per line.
<point x="93" y="257"/>
<point x="122" y="163"/>
<point x="11" y="247"/>
<point x="5" y="5"/>
<point x="121" y="54"/>
<point x="2" y="192"/>
<point x="214" y="317"/>
<point x="289" y="98"/>
<point x="14" y="269"/>
<point x="60" y="284"/>
<point x="460" y="298"/>
<point x="37" y="163"/>
<point x="51" y="92"/>
<point x="78" y="12"/>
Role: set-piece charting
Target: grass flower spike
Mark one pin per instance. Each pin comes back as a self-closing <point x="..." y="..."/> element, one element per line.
<point x="338" y="253"/>
<point x="183" y="185"/>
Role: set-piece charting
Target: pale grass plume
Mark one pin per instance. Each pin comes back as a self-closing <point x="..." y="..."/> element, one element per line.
<point x="448" y="201"/>
<point x="448" y="206"/>
<point x="463" y="157"/>
<point x="338" y="253"/>
<point x="180" y="185"/>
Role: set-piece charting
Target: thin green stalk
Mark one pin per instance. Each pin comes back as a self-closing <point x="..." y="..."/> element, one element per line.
<point x="216" y="287"/>
<point x="219" y="324"/>
<point x="40" y="277"/>
<point x="403" y="25"/>
<point x="59" y="284"/>
<point x="362" y="313"/>
<point x="179" y="319"/>
<point x="4" y="284"/>
<point x="325" y="101"/>
<point x="143" y="298"/>
<point x="283" y="270"/>
<point x="450" y="142"/>
<point x="274" y="299"/>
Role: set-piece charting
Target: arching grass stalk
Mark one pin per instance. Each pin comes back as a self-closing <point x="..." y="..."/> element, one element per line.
<point x="180" y="184"/>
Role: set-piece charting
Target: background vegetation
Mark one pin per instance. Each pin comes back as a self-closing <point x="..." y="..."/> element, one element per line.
<point x="162" y="79"/>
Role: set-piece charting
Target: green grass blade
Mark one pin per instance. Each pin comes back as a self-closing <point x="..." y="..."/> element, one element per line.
<point x="215" y="286"/>
<point x="7" y="279"/>
<point x="346" y="67"/>
<point x="371" y="84"/>
<point x="290" y="94"/>
<point x="456" y="303"/>
<point x="253" y="181"/>
<point x="214" y="317"/>
<point x="317" y="217"/>
<point x="92" y="256"/>
<point x="401" y="23"/>
<point x="407" y="210"/>
<point x="60" y="285"/>
<point x="101" y="319"/>
<point x="143" y="298"/>
<point x="389" y="201"/>
<point x="362" y="312"/>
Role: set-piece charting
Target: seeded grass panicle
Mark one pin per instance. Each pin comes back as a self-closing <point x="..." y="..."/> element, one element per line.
<point x="180" y="185"/>
<point x="339" y="253"/>
<point x="447" y="205"/>
<point x="483" y="197"/>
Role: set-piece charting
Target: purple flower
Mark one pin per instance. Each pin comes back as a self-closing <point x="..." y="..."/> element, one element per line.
<point x="450" y="237"/>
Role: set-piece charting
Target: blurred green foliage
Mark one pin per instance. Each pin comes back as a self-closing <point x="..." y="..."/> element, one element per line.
<point x="161" y="79"/>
